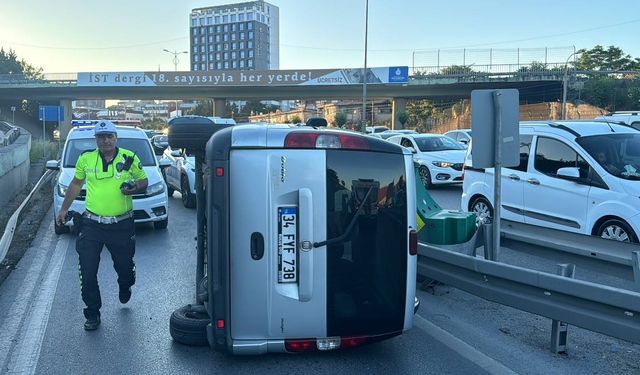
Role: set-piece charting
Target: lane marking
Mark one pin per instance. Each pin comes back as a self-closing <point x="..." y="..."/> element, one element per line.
<point x="465" y="350"/>
<point x="27" y="352"/>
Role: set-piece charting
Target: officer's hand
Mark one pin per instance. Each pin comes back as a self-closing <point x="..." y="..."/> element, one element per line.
<point x="126" y="191"/>
<point x="61" y="219"/>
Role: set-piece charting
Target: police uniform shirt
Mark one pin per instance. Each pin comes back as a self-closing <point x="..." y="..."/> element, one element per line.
<point x="103" y="182"/>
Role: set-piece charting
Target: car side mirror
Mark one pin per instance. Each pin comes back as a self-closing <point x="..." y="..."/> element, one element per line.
<point x="569" y="173"/>
<point x="164" y="163"/>
<point x="176" y="153"/>
<point x="54" y="165"/>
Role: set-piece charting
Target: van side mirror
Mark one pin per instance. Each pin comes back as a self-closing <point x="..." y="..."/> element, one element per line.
<point x="54" y="165"/>
<point x="569" y="173"/>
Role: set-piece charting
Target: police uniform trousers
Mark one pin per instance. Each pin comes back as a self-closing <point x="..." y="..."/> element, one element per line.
<point x="119" y="238"/>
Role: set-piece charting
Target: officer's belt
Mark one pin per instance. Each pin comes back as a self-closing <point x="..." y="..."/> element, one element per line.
<point x="107" y="219"/>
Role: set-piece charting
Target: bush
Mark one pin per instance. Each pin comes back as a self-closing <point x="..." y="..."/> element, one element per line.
<point x="38" y="147"/>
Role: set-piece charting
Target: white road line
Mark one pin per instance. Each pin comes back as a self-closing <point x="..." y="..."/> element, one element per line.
<point x="25" y="358"/>
<point x="10" y="329"/>
<point x="465" y="350"/>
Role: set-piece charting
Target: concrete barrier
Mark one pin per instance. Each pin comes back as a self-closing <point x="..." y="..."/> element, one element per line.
<point x="14" y="167"/>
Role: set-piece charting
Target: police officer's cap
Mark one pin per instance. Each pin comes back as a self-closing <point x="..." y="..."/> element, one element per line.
<point x="105" y="127"/>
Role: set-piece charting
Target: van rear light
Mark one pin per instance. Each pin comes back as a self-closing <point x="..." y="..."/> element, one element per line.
<point x="220" y="324"/>
<point x="297" y="345"/>
<point x="219" y="171"/>
<point x="352" y="342"/>
<point x="325" y="141"/>
<point x="330" y="343"/>
<point x="413" y="242"/>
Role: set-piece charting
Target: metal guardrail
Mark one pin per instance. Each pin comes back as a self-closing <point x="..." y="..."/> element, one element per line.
<point x="610" y="311"/>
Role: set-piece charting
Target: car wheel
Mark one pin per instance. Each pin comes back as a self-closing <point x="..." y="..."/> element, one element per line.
<point x="425" y="176"/>
<point x="483" y="210"/>
<point x="170" y="190"/>
<point x="617" y="230"/>
<point x="60" y="229"/>
<point x="162" y="224"/>
<point x="188" y="199"/>
<point x="188" y="325"/>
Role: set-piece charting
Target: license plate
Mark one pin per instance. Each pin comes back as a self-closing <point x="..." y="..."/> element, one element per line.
<point x="287" y="244"/>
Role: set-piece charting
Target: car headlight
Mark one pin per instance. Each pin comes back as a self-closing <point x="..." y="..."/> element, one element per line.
<point x="61" y="189"/>
<point x="155" y="189"/>
<point x="442" y="164"/>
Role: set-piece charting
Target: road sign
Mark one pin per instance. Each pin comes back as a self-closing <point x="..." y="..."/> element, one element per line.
<point x="484" y="122"/>
<point x="51" y="113"/>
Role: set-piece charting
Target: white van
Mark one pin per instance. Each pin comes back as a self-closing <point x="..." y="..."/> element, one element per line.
<point x="311" y="239"/>
<point x="577" y="176"/>
<point x="148" y="207"/>
<point x="631" y="118"/>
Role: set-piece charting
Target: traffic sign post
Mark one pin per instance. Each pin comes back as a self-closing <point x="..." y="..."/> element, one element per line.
<point x="495" y="116"/>
<point x="13" y="115"/>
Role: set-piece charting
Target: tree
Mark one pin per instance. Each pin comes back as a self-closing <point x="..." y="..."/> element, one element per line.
<point x="9" y="64"/>
<point x="612" y="58"/>
<point x="340" y="119"/>
<point x="418" y="111"/>
<point x="456" y="69"/>
<point x="403" y="116"/>
<point x="295" y="119"/>
<point x="203" y="108"/>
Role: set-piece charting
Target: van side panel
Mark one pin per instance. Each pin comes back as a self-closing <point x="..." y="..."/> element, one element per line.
<point x="262" y="181"/>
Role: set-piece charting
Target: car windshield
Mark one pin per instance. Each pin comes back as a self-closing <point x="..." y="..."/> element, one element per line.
<point x="618" y="154"/>
<point x="441" y="143"/>
<point x="75" y="147"/>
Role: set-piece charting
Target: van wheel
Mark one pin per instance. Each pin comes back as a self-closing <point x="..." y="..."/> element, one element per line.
<point x="188" y="325"/>
<point x="617" y="230"/>
<point x="188" y="199"/>
<point x="483" y="210"/>
<point x="162" y="224"/>
<point x="60" y="229"/>
<point x="425" y="176"/>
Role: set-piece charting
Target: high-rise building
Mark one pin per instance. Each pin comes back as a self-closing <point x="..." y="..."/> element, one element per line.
<point x="242" y="36"/>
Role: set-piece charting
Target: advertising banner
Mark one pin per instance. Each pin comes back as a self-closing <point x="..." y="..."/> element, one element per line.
<point x="317" y="77"/>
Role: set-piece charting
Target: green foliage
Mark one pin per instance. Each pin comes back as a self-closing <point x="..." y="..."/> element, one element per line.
<point x="9" y="64"/>
<point x="611" y="93"/>
<point x="38" y="147"/>
<point x="295" y="119"/>
<point x="403" y="116"/>
<point x="612" y="58"/>
<point x="154" y="124"/>
<point x="456" y="69"/>
<point x="203" y="108"/>
<point x="418" y="111"/>
<point x="340" y="119"/>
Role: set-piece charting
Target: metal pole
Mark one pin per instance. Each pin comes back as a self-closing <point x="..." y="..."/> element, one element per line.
<point x="564" y="87"/>
<point x="497" y="176"/>
<point x="200" y="207"/>
<point x="44" y="155"/>
<point x="363" y="117"/>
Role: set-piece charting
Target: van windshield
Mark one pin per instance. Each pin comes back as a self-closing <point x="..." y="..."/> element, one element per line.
<point x="367" y="272"/>
<point x="618" y="154"/>
<point x="141" y="147"/>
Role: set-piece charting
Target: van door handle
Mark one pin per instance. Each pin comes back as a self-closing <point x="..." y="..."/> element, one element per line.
<point x="514" y="177"/>
<point x="257" y="246"/>
<point x="533" y="181"/>
<point x="305" y="244"/>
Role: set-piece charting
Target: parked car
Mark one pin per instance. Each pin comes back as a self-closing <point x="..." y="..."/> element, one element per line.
<point x="581" y="177"/>
<point x="180" y="175"/>
<point x="375" y="129"/>
<point x="461" y="135"/>
<point x="631" y="118"/>
<point x="390" y="133"/>
<point x="148" y="207"/>
<point x="159" y="143"/>
<point x="440" y="158"/>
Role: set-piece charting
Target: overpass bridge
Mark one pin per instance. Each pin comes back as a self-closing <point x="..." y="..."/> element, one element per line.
<point x="535" y="83"/>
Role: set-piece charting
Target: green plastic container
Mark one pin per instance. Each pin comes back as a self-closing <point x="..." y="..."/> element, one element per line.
<point x="438" y="226"/>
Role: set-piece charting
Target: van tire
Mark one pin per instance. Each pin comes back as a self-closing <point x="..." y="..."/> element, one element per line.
<point x="188" y="325"/>
<point x="188" y="199"/>
<point x="612" y="227"/>
<point x="425" y="176"/>
<point x="483" y="210"/>
<point x="162" y="224"/>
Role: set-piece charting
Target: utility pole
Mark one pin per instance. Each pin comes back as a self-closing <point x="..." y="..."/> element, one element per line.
<point x="363" y="117"/>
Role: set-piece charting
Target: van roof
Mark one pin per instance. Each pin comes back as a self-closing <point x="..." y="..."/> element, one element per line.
<point x="580" y="128"/>
<point x="80" y="132"/>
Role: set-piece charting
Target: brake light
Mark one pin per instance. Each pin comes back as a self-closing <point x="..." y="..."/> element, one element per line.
<point x="325" y="141"/>
<point x="220" y="324"/>
<point x="219" y="171"/>
<point x="352" y="342"/>
<point x="304" y="345"/>
<point x="413" y="242"/>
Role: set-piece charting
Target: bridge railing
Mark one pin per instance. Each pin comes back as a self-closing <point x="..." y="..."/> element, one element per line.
<point x="488" y="70"/>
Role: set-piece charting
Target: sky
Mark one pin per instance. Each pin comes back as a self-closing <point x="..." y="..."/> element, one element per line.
<point x="68" y="36"/>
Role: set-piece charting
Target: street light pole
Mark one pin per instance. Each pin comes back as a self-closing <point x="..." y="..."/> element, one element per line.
<point x="364" y="71"/>
<point x="175" y="57"/>
<point x="564" y="86"/>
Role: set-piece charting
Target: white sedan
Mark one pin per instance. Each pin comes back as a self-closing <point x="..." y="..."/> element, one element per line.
<point x="181" y="176"/>
<point x="439" y="158"/>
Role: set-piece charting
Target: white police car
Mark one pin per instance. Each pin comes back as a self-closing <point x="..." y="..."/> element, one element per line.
<point x="148" y="207"/>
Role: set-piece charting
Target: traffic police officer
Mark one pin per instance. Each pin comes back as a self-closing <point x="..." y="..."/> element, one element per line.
<point x="112" y="175"/>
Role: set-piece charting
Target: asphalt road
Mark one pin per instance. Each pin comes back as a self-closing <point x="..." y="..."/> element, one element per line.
<point x="454" y="332"/>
